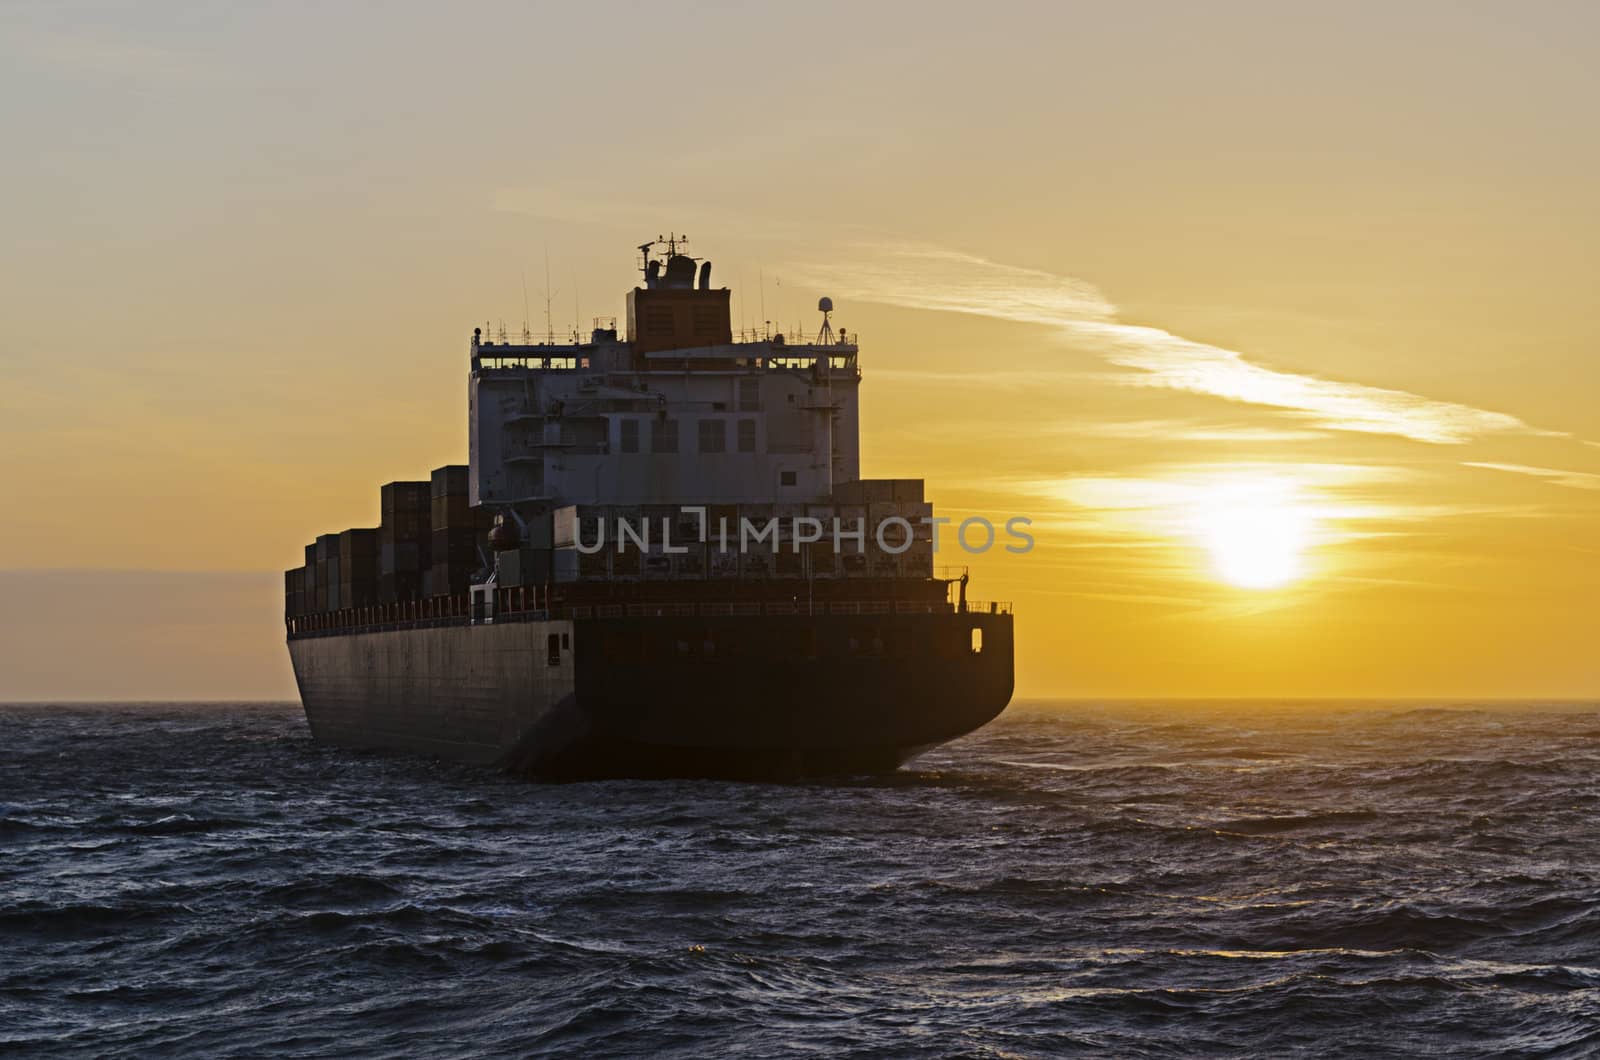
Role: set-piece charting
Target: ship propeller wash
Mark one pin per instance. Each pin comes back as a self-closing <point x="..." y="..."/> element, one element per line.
<point x="660" y="560"/>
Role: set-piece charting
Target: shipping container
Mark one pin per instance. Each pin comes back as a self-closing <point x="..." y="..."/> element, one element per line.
<point x="405" y="527"/>
<point x="522" y="566"/>
<point x="689" y="527"/>
<point x="722" y="563"/>
<point x="787" y="563"/>
<point x="404" y="497"/>
<point x="626" y="564"/>
<point x="907" y="490"/>
<point x="400" y="558"/>
<point x="358" y="549"/>
<point x="655" y="564"/>
<point x="722" y="519"/>
<point x="690" y="564"/>
<point x="455" y="547"/>
<point x="398" y="587"/>
<point x="358" y="594"/>
<point x="327" y="547"/>
<point x="450" y="580"/>
<point x="537" y="532"/>
<point x="564" y="565"/>
<point x="849" y="493"/>
<point x="918" y="514"/>
<point x="582" y="521"/>
<point x="448" y="481"/>
<point x="821" y="559"/>
<point x="451" y="511"/>
<point x="876" y="491"/>
<point x="658" y="521"/>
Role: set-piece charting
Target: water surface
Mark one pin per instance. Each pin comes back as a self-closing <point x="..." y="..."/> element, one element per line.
<point x="1126" y="879"/>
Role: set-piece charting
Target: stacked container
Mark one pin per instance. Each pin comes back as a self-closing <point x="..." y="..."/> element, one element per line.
<point x="327" y="572"/>
<point x="294" y="581"/>
<point x="585" y="522"/>
<point x="456" y="528"/>
<point x="404" y="545"/>
<point x="358" y="568"/>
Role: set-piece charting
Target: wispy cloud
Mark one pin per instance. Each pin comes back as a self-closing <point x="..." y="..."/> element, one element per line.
<point x="1181" y="364"/>
<point x="1578" y="480"/>
<point x="927" y="277"/>
<point x="1183" y="431"/>
<point x="1165" y="501"/>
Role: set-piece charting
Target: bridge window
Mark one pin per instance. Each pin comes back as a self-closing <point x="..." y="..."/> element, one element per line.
<point x="747" y="436"/>
<point x="553" y="648"/>
<point x="664" y="436"/>
<point x="749" y="395"/>
<point x="629" y="429"/>
<point x="788" y="478"/>
<point x="713" y="436"/>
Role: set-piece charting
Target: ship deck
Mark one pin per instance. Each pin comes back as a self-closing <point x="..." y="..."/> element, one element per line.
<point x="651" y="599"/>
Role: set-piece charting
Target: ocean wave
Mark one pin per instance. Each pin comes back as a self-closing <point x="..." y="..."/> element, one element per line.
<point x="1136" y="880"/>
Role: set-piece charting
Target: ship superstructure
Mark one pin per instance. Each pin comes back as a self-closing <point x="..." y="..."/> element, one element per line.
<point x="660" y="558"/>
<point x="675" y="411"/>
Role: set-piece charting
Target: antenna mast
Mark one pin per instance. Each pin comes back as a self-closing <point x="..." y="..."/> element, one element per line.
<point x="527" y="336"/>
<point x="825" y="335"/>
<point x="549" y="331"/>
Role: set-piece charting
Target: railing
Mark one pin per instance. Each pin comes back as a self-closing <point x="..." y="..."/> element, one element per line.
<point x="525" y="605"/>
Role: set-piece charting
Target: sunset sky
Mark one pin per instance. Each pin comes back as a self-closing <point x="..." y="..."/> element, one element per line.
<point x="1278" y="321"/>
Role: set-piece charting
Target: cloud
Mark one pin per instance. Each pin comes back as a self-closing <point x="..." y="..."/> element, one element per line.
<point x="1181" y="364"/>
<point x="1182" y="430"/>
<point x="1578" y="480"/>
<point x="921" y="276"/>
<point x="927" y="277"/>
<point x="1165" y="501"/>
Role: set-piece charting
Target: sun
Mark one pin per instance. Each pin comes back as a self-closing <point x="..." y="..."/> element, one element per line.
<point x="1256" y="534"/>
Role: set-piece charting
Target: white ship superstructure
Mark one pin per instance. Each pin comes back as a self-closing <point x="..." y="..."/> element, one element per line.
<point x="674" y="409"/>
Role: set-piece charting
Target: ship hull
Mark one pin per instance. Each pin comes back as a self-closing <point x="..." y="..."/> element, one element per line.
<point x="762" y="697"/>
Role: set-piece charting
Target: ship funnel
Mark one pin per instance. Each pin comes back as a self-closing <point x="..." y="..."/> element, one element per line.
<point x="705" y="275"/>
<point x="680" y="271"/>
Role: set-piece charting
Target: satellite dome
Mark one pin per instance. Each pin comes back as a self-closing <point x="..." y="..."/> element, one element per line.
<point x="504" y="536"/>
<point x="825" y="304"/>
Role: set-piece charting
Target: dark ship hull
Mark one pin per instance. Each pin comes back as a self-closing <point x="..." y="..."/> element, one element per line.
<point x="770" y="696"/>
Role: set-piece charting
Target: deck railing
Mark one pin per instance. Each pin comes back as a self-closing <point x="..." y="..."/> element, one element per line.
<point x="519" y="605"/>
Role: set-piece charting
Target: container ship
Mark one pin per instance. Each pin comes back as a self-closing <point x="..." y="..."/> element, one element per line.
<point x="659" y="560"/>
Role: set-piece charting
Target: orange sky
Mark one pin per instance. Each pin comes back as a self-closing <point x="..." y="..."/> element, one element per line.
<point x="1189" y="286"/>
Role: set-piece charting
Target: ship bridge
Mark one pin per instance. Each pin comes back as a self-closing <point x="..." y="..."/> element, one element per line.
<point x="676" y="409"/>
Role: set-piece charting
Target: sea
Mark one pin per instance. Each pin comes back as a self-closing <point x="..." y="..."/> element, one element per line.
<point x="1172" y="879"/>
